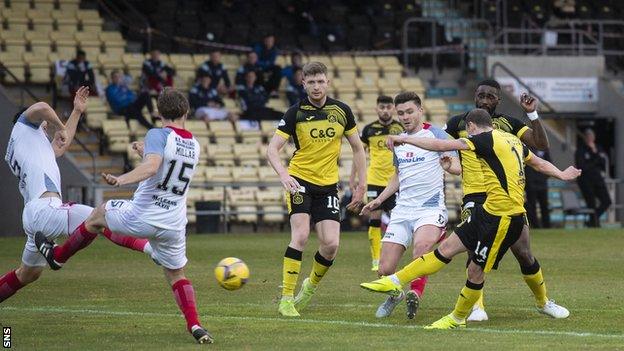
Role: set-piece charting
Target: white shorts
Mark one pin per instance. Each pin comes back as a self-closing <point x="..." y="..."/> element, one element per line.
<point x="402" y="226"/>
<point x="169" y="246"/>
<point x="53" y="218"/>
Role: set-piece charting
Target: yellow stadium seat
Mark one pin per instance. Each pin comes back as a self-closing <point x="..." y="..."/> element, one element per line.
<point x="90" y="20"/>
<point x="344" y="85"/>
<point x="246" y="151"/>
<point x="388" y="87"/>
<point x="113" y="42"/>
<point x="219" y="152"/>
<point x="16" y="19"/>
<point x="367" y="64"/>
<point x="390" y="66"/>
<point x="13" y="41"/>
<point x="242" y="174"/>
<point x="367" y="85"/>
<point x="38" y="67"/>
<point x="44" y="5"/>
<point x="267" y="128"/>
<point x="41" y="19"/>
<point x="65" y="20"/>
<point x="198" y="128"/>
<point x="39" y="43"/>
<point x="365" y="106"/>
<point x="267" y="174"/>
<point x="23" y="5"/>
<point x="218" y="174"/>
<point x="220" y="129"/>
<point x="14" y="62"/>
<point x="87" y="40"/>
<point x="199" y="59"/>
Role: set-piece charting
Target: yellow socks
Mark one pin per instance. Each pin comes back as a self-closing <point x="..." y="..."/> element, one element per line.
<point x="467" y="298"/>
<point x="535" y="280"/>
<point x="290" y="271"/>
<point x="427" y="264"/>
<point x="480" y="300"/>
<point x="374" y="237"/>
<point x="319" y="268"/>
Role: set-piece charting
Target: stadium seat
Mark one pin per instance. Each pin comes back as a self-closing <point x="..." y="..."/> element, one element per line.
<point x="220" y="129"/>
<point x="90" y="20"/>
<point x="38" y="67"/>
<point x="39" y="42"/>
<point x="41" y="20"/>
<point x="109" y="62"/>
<point x="245" y="174"/>
<point x="267" y="128"/>
<point x="13" y="41"/>
<point x="412" y="84"/>
<point x="344" y="86"/>
<point x="218" y="174"/>
<point x="113" y="42"/>
<point x="219" y="152"/>
<point x="117" y="134"/>
<point x="16" y="19"/>
<point x="65" y="44"/>
<point x="23" y="5"/>
<point x="14" y="62"/>
<point x="69" y="5"/>
<point x="390" y="66"/>
<point x="65" y="20"/>
<point x="44" y="5"/>
<point x="246" y="152"/>
<point x="367" y="85"/>
<point x="388" y="87"/>
<point x="198" y="128"/>
<point x="267" y="174"/>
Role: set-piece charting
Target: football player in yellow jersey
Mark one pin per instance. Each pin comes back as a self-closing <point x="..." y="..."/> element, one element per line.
<point x="487" y="97"/>
<point x="380" y="169"/>
<point x="316" y="125"/>
<point x="492" y="228"/>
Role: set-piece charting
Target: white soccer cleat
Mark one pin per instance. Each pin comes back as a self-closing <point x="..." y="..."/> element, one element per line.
<point x="385" y="309"/>
<point x="554" y="310"/>
<point x="478" y="314"/>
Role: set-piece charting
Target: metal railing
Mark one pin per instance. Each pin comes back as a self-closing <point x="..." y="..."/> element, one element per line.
<point x="499" y="65"/>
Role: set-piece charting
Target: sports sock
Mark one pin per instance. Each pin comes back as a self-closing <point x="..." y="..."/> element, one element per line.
<point x="319" y="268"/>
<point x="535" y="280"/>
<point x="418" y="285"/>
<point x="126" y="241"/>
<point x="467" y="298"/>
<point x="374" y="237"/>
<point x="424" y="265"/>
<point x="184" y="295"/>
<point x="290" y="271"/>
<point x="479" y="302"/>
<point x="9" y="285"/>
<point x="78" y="240"/>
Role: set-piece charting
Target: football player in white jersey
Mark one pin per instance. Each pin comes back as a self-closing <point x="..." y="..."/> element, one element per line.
<point x="157" y="211"/>
<point x="32" y="158"/>
<point x="420" y="216"/>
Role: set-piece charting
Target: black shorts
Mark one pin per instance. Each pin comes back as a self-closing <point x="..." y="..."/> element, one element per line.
<point x="319" y="201"/>
<point x="374" y="190"/>
<point x="469" y="202"/>
<point x="487" y="237"/>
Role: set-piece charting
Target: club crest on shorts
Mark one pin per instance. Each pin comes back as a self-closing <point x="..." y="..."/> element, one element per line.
<point x="297" y="199"/>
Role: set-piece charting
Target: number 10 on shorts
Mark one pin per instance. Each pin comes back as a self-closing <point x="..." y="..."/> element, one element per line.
<point x="332" y="202"/>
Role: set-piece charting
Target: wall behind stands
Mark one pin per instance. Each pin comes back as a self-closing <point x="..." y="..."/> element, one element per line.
<point x="12" y="203"/>
<point x="579" y="70"/>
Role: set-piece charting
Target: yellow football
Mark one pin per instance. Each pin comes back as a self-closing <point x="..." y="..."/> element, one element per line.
<point x="232" y="273"/>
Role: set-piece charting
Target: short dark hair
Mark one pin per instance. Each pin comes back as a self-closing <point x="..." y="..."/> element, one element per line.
<point x="384" y="99"/>
<point x="490" y="83"/>
<point x="81" y="53"/>
<point x="172" y="104"/>
<point x="115" y="71"/>
<point x="480" y="117"/>
<point x="314" y="68"/>
<point x="406" y="96"/>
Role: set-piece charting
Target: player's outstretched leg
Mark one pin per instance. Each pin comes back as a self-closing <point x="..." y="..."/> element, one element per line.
<point x="374" y="238"/>
<point x="184" y="295"/>
<point x="136" y="244"/>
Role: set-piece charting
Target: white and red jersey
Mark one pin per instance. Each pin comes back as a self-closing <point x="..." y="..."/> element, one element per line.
<point x="31" y="158"/>
<point x="161" y="199"/>
<point x="421" y="177"/>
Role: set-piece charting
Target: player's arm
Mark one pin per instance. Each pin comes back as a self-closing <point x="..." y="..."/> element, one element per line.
<point x="275" y="145"/>
<point x="144" y="170"/>
<point x="391" y="189"/>
<point x="41" y="111"/>
<point x="545" y="167"/>
<point x="451" y="164"/>
<point x="80" y="105"/>
<point x="353" y="175"/>
<point x="359" y="163"/>
<point x="536" y="135"/>
<point x="430" y="144"/>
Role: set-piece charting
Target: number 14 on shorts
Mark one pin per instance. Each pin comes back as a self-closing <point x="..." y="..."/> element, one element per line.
<point x="481" y="252"/>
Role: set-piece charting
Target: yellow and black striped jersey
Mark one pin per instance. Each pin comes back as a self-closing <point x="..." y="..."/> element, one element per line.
<point x="501" y="157"/>
<point x="472" y="179"/>
<point x="381" y="167"/>
<point x="317" y="133"/>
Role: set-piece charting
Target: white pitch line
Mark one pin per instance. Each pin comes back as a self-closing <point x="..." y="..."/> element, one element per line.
<point x="315" y="321"/>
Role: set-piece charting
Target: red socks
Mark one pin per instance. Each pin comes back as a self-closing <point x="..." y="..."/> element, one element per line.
<point x="185" y="297"/>
<point x="9" y="284"/>
<point x="126" y="240"/>
<point x="418" y="285"/>
<point x="78" y="240"/>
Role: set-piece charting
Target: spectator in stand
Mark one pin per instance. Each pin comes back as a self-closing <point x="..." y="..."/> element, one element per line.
<point x="267" y="53"/>
<point x="125" y="102"/>
<point x="537" y="192"/>
<point x="214" y="68"/>
<point x="156" y="74"/>
<point x="80" y="73"/>
<point x="296" y="62"/>
<point x="295" y="90"/>
<point x="253" y="99"/>
<point x="251" y="64"/>
<point x="591" y="159"/>
<point x="206" y="102"/>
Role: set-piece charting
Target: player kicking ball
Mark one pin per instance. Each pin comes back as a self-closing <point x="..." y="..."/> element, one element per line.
<point x="492" y="228"/>
<point x="157" y="211"/>
<point x="420" y="215"/>
<point x="32" y="159"/>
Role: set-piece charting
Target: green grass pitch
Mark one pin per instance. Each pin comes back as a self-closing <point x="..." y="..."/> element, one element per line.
<point x="111" y="298"/>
